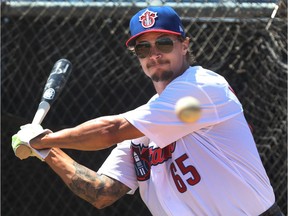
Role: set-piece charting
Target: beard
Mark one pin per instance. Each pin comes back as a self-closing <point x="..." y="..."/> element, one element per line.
<point x="163" y="75"/>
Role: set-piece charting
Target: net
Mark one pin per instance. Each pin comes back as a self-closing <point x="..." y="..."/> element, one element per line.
<point x="237" y="39"/>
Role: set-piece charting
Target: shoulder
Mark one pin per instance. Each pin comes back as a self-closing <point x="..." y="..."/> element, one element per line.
<point x="197" y="79"/>
<point x="199" y="76"/>
<point x="203" y="84"/>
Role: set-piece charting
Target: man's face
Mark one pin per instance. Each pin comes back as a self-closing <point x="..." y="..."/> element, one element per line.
<point x="162" y="63"/>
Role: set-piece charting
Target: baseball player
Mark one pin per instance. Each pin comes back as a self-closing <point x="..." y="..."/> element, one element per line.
<point x="209" y="167"/>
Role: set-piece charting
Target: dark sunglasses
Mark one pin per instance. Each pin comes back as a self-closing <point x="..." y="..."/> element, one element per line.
<point x="164" y="45"/>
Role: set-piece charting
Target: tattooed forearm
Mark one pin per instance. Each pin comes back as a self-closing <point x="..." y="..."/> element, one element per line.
<point x="97" y="189"/>
<point x="86" y="183"/>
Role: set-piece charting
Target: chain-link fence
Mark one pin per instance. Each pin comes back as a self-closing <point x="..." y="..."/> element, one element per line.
<point x="237" y="39"/>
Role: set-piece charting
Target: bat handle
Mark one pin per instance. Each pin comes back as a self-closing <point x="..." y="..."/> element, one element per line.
<point x="42" y="110"/>
<point x="23" y="151"/>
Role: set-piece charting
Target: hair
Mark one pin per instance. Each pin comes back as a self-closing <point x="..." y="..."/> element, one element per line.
<point x="189" y="55"/>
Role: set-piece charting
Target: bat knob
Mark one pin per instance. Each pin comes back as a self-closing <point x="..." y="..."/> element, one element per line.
<point x="23" y="151"/>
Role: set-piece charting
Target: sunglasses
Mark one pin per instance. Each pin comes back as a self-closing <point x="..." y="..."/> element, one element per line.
<point x="164" y="45"/>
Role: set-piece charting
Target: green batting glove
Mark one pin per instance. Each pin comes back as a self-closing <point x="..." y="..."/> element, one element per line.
<point x="20" y="142"/>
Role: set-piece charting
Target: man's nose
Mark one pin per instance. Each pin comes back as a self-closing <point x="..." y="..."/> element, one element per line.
<point x="155" y="53"/>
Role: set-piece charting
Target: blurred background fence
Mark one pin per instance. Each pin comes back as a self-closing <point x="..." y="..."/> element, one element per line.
<point x="237" y="39"/>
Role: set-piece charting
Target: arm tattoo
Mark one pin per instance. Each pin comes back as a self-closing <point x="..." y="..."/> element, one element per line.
<point x="95" y="188"/>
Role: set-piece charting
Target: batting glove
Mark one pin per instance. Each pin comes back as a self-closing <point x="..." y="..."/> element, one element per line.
<point x="23" y="137"/>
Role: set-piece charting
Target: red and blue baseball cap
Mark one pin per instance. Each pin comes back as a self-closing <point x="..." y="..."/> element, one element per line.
<point x="155" y="19"/>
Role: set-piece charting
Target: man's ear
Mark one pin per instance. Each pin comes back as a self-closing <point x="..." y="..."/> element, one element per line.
<point x="185" y="45"/>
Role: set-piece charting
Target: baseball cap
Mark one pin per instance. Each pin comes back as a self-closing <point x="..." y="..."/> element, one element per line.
<point x="155" y="19"/>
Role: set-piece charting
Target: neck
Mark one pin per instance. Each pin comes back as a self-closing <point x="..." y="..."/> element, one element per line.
<point x="161" y="85"/>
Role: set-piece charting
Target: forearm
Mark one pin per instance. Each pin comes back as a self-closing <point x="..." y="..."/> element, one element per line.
<point x="95" y="134"/>
<point x="98" y="190"/>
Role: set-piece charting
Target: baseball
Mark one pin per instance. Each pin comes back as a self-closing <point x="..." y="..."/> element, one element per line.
<point x="188" y="109"/>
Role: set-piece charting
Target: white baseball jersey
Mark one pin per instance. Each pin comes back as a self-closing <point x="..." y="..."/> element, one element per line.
<point x="210" y="167"/>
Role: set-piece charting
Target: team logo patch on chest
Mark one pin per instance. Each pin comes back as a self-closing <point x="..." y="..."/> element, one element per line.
<point x="144" y="157"/>
<point x="148" y="18"/>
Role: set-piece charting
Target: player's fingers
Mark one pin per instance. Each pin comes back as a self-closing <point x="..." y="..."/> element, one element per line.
<point x="34" y="142"/>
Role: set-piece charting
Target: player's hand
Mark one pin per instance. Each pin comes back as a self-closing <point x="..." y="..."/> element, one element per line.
<point x="23" y="137"/>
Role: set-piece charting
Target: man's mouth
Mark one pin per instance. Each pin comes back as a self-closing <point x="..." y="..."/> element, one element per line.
<point x="155" y="64"/>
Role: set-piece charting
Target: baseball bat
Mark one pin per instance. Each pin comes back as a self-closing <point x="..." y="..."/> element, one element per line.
<point x="54" y="85"/>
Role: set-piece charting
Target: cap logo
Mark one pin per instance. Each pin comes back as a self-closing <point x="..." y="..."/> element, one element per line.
<point x="181" y="29"/>
<point x="147" y="18"/>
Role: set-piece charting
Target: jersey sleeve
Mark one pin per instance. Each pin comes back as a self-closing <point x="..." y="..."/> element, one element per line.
<point x="158" y="121"/>
<point x="119" y="165"/>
